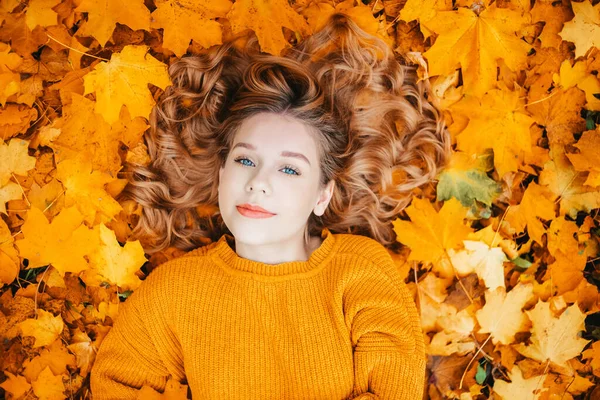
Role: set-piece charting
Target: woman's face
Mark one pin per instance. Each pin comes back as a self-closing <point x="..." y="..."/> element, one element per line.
<point x="259" y="172"/>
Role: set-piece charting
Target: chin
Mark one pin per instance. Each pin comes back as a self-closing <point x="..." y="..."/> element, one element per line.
<point x="252" y="235"/>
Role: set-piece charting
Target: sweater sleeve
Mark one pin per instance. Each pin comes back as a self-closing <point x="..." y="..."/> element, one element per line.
<point x="134" y="352"/>
<point x="389" y="349"/>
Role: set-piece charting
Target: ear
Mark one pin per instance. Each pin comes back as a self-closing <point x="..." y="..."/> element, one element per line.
<point x="324" y="198"/>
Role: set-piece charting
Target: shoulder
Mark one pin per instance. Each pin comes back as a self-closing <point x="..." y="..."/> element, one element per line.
<point x="373" y="260"/>
<point x="169" y="275"/>
<point x="362" y="246"/>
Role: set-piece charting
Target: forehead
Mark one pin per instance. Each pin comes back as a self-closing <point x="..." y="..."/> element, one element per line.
<point x="274" y="133"/>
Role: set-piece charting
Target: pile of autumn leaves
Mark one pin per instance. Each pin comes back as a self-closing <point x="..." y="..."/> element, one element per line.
<point x="503" y="260"/>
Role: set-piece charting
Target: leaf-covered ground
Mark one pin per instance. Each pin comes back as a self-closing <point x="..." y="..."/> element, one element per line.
<point x="501" y="251"/>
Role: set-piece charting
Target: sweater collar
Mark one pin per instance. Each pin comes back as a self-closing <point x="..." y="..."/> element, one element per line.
<point x="225" y="256"/>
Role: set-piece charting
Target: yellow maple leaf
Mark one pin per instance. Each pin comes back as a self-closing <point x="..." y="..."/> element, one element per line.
<point x="461" y="323"/>
<point x="8" y="192"/>
<point x="502" y="314"/>
<point x="84" y="131"/>
<point x="447" y="343"/>
<point x="317" y="14"/>
<point x="538" y="201"/>
<point x="423" y="11"/>
<point x="553" y="16"/>
<point x="562" y="236"/>
<point x="184" y="20"/>
<point x="14" y="159"/>
<point x="124" y="81"/>
<point x="478" y="257"/>
<point x="267" y="18"/>
<point x="554" y="339"/>
<point x="9" y="258"/>
<point x="432" y="310"/>
<point x="45" y="329"/>
<point x="584" y="29"/>
<point x="103" y="16"/>
<point x="564" y="181"/>
<point x="86" y="190"/>
<point x="56" y="356"/>
<point x="500" y="122"/>
<point x="48" y="197"/>
<point x="14" y="118"/>
<point x="84" y="350"/>
<point x="40" y="12"/>
<point x="430" y="234"/>
<point x="435" y="287"/>
<point x="591" y="86"/>
<point x="10" y="80"/>
<point x="458" y="44"/>
<point x="48" y="386"/>
<point x="559" y="112"/>
<point x="570" y="75"/>
<point x="565" y="273"/>
<point x="588" y="157"/>
<point x="63" y="243"/>
<point x="16" y="385"/>
<point x="593" y="353"/>
<point x="578" y="75"/>
<point x="113" y="263"/>
<point x="519" y="387"/>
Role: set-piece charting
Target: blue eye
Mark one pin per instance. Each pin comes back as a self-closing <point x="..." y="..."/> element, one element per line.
<point x="289" y="167"/>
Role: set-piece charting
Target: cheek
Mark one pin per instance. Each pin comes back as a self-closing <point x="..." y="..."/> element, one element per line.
<point x="298" y="196"/>
<point x="225" y="185"/>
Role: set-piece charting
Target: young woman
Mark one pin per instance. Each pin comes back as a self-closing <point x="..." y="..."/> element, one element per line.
<point x="280" y="177"/>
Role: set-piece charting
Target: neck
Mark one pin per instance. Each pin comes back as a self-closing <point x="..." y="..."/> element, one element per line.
<point x="295" y="249"/>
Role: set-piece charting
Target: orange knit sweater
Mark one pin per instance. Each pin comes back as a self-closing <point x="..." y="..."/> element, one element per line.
<point x="341" y="325"/>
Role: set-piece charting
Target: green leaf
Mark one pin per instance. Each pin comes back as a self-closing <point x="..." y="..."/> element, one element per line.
<point x="521" y="262"/>
<point x="467" y="186"/>
<point x="480" y="375"/>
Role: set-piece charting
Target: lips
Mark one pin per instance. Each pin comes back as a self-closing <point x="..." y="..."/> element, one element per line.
<point x="254" y="214"/>
<point x="254" y="208"/>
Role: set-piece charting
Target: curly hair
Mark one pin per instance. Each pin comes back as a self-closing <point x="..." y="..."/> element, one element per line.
<point x="378" y="136"/>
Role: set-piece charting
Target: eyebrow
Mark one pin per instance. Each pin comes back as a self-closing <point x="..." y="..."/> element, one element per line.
<point x="283" y="153"/>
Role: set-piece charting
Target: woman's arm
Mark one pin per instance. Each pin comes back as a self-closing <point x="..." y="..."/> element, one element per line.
<point x="136" y="350"/>
<point x="389" y="349"/>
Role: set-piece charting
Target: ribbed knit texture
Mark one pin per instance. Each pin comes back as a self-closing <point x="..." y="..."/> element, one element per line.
<point x="341" y="325"/>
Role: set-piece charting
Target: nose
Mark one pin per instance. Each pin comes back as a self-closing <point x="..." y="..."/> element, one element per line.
<point x="258" y="182"/>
